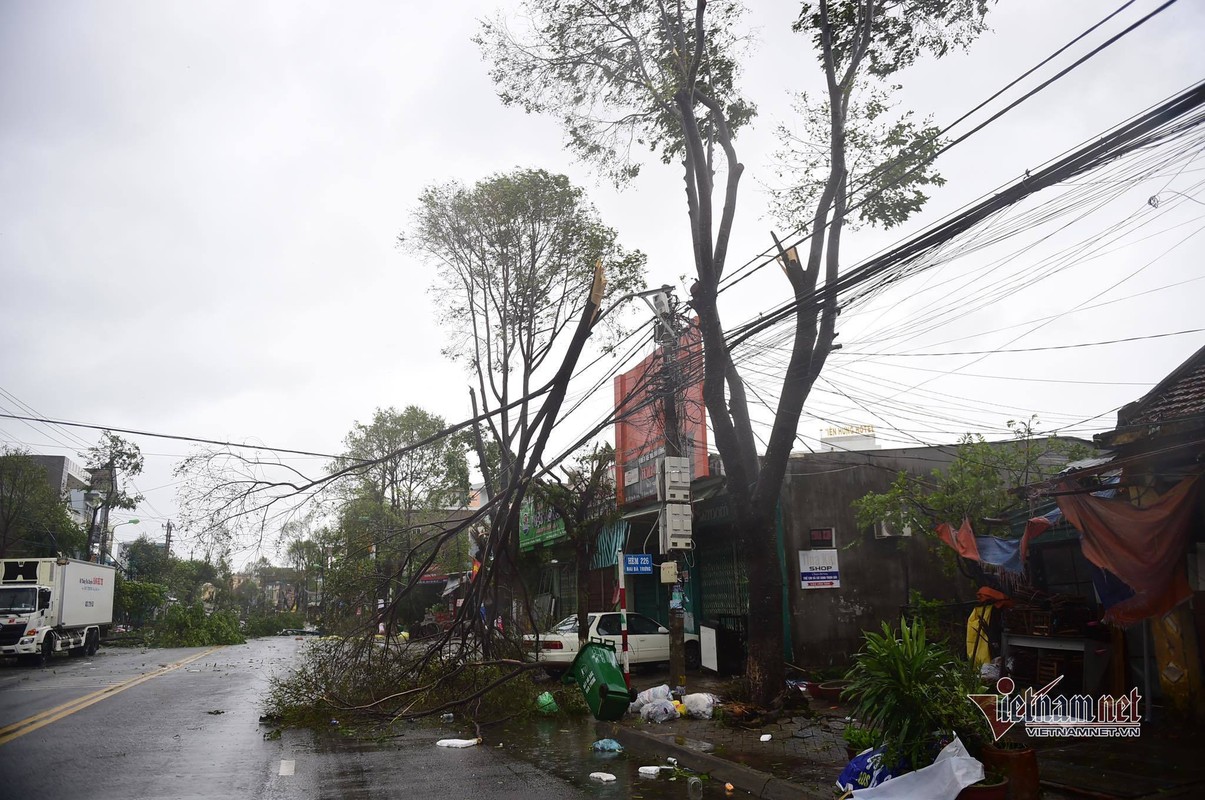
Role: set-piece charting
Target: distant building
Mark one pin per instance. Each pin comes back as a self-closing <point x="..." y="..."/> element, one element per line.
<point x="848" y="439"/>
<point x="70" y="482"/>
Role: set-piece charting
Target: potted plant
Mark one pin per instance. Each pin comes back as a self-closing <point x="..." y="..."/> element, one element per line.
<point x="912" y="693"/>
<point x="994" y="786"/>
<point x="858" y="739"/>
<point x="1016" y="760"/>
<point x="829" y="691"/>
<point x="906" y="689"/>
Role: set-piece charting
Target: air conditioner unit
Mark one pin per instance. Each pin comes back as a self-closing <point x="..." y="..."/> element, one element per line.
<point x="885" y="531"/>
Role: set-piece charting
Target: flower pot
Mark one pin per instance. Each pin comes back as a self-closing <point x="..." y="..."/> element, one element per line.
<point x="1019" y="763"/>
<point x="829" y="691"/>
<point x="986" y="791"/>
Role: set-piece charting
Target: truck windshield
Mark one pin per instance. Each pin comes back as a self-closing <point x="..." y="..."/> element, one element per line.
<point x="18" y="599"/>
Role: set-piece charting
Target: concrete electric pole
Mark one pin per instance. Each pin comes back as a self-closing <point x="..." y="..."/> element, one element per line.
<point x="673" y="480"/>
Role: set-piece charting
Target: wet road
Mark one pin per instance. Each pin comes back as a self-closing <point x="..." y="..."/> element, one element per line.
<point x="184" y="724"/>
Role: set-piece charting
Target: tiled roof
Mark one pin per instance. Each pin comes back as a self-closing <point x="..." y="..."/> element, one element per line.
<point x="1181" y="394"/>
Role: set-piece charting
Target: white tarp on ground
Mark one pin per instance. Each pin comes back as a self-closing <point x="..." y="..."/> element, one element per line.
<point x="952" y="771"/>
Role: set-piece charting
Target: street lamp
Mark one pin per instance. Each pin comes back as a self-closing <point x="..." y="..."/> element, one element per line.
<point x="113" y="537"/>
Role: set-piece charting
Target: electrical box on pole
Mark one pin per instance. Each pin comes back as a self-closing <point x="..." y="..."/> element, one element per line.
<point x="675" y="527"/>
<point x="673" y="490"/>
<point x="673" y="480"/>
<point x="669" y="572"/>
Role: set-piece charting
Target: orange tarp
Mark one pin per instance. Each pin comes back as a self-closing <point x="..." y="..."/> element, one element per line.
<point x="1143" y="546"/>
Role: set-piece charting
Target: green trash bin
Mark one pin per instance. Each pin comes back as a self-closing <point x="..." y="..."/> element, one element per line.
<point x="597" y="674"/>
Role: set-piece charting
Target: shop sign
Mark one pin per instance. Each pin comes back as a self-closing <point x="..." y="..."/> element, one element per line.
<point x="818" y="569"/>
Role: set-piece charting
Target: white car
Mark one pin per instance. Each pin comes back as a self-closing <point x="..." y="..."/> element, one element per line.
<point x="648" y="641"/>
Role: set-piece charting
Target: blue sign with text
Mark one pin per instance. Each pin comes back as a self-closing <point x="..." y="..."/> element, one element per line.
<point x="638" y="564"/>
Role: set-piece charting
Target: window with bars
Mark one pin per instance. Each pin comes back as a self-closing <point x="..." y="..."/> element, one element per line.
<point x="723" y="580"/>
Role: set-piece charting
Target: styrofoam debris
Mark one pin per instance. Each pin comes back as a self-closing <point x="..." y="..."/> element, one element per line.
<point x="765" y="737"/>
<point x="602" y="777"/>
<point x="457" y="742"/>
<point x="650" y="772"/>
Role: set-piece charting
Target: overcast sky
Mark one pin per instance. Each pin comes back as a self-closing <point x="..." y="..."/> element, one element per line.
<point x="199" y="204"/>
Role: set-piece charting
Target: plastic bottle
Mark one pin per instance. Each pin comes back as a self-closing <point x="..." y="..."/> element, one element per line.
<point x="694" y="788"/>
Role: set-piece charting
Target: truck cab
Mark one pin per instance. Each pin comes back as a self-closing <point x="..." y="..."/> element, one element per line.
<point x="53" y="605"/>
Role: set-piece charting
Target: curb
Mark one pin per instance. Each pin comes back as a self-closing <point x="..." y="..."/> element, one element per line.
<point x="758" y="783"/>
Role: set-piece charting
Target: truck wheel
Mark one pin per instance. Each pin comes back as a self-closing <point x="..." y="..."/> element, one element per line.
<point x="91" y="643"/>
<point x="43" y="657"/>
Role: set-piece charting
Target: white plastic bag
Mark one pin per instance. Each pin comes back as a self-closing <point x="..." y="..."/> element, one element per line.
<point x="952" y="771"/>
<point x="457" y="742"/>
<point x="659" y="711"/>
<point x="699" y="705"/>
<point x="661" y="692"/>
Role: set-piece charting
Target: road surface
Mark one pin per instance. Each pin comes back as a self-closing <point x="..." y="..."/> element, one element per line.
<point x="184" y="723"/>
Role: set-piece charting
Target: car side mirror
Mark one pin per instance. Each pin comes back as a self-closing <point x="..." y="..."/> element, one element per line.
<point x="43" y="599"/>
<point x="662" y="629"/>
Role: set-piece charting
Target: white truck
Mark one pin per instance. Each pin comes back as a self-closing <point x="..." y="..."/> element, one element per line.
<point x="51" y="605"/>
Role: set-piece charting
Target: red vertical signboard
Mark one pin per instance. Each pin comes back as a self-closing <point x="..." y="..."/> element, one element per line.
<point x="640" y="423"/>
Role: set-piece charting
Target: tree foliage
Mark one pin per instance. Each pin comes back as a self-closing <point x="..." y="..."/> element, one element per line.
<point x="612" y="73"/>
<point x="853" y="146"/>
<point x="33" y="519"/>
<point x="136" y="602"/>
<point x="147" y="561"/>
<point x="978" y="485"/>
<point x="888" y="160"/>
<point x="113" y="461"/>
<point x="189" y="626"/>
<point x="514" y="255"/>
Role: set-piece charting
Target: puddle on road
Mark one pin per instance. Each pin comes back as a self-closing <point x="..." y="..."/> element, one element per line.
<point x="562" y="747"/>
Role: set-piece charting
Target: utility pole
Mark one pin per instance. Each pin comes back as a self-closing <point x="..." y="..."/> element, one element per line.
<point x="108" y="503"/>
<point x="167" y="545"/>
<point x="673" y="480"/>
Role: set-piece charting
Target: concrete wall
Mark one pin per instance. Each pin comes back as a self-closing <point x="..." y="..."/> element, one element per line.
<point x="876" y="574"/>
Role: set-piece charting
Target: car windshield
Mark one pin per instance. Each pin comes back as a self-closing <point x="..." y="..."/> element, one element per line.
<point x="18" y="599"/>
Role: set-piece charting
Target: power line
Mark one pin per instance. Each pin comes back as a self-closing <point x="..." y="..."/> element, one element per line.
<point x="132" y="432"/>
<point x="1036" y="349"/>
<point x="765" y="256"/>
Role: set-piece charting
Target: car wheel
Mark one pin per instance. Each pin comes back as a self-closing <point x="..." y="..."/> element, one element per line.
<point x="556" y="673"/>
<point x="693" y="656"/>
<point x="92" y="643"/>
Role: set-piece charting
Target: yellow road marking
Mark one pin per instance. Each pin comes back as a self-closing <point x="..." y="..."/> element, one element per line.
<point x="43" y="718"/>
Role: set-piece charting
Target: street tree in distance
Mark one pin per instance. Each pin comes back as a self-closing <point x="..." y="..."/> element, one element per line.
<point x="663" y="75"/>
<point x="111" y="462"/>
<point x="33" y="519"/>
<point x="413" y="474"/>
<point x="512" y="253"/>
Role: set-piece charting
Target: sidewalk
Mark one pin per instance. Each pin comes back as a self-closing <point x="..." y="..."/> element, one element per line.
<point x="801" y="761"/>
<point x="806" y="753"/>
